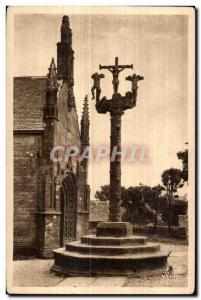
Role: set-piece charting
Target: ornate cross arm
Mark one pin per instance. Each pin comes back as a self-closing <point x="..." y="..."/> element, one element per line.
<point x="120" y="67"/>
<point x="116" y="67"/>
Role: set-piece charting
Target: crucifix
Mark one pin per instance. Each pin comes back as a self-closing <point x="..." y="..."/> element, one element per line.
<point x="115" y="70"/>
<point x="116" y="107"/>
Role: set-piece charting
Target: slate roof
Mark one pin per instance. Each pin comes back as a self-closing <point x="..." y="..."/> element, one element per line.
<point x="29" y="99"/>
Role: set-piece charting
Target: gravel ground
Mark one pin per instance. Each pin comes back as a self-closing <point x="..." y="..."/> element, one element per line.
<point x="36" y="272"/>
<point x="178" y="260"/>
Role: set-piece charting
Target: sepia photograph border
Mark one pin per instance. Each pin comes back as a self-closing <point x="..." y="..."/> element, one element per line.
<point x="190" y="12"/>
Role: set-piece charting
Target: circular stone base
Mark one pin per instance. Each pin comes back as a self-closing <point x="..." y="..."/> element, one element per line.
<point x="79" y="264"/>
<point x="112" y="251"/>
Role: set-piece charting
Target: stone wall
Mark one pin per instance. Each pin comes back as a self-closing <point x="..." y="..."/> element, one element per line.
<point x="66" y="129"/>
<point x="36" y="226"/>
<point x="183" y="221"/>
<point x="82" y="224"/>
<point x="161" y="230"/>
<point x="48" y="228"/>
<point x="99" y="210"/>
<point x="27" y="190"/>
<point x="67" y="134"/>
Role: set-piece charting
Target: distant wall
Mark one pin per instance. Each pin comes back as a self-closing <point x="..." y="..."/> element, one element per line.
<point x="99" y="211"/>
<point x="183" y="221"/>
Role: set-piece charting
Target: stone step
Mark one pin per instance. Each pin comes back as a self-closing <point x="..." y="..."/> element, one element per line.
<point x="74" y="263"/>
<point x="117" y="229"/>
<point x="111" y="249"/>
<point x="131" y="240"/>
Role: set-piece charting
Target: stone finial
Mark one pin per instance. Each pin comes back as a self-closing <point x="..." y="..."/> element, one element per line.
<point x="65" y="53"/>
<point x="52" y="83"/>
<point x="66" y="33"/>
<point x="85" y="111"/>
<point x="85" y="123"/>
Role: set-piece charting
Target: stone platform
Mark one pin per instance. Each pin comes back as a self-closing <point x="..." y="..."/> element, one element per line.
<point x="112" y="251"/>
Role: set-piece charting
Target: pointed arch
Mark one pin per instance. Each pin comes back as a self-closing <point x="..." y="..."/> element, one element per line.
<point x="68" y="208"/>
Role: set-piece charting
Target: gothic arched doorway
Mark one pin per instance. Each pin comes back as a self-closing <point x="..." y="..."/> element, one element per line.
<point x="68" y="208"/>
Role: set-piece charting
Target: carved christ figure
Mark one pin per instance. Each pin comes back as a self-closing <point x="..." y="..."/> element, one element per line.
<point x="115" y="70"/>
<point x="96" y="86"/>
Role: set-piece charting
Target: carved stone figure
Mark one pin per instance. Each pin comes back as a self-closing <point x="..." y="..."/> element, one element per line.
<point x="96" y="86"/>
<point x="103" y="106"/>
<point x="134" y="80"/>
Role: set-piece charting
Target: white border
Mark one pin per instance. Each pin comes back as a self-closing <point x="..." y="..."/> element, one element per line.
<point x="3" y="93"/>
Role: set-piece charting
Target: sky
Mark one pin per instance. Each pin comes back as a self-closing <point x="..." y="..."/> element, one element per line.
<point x="156" y="45"/>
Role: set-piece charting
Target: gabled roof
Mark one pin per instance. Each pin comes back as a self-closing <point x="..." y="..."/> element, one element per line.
<point x="29" y="99"/>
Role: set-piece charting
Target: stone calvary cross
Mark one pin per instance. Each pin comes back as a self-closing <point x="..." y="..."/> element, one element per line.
<point x="116" y="107"/>
<point x="113" y="249"/>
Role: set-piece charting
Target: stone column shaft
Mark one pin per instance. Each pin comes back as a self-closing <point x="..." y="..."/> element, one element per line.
<point x="115" y="168"/>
